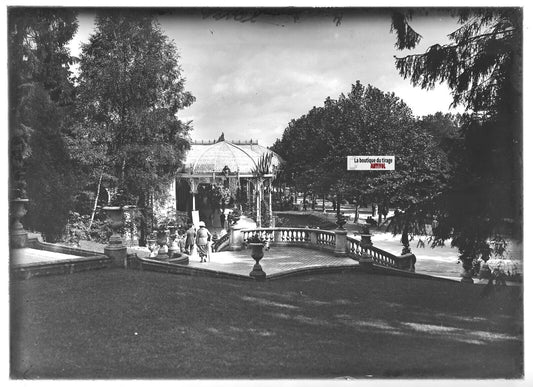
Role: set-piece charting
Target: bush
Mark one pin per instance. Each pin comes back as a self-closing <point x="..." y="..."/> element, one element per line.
<point x="78" y="229"/>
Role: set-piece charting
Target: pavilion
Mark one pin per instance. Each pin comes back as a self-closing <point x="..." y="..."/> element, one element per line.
<point x="233" y="164"/>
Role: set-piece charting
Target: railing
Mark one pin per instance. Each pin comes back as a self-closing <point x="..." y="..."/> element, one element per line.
<point x="282" y="236"/>
<point x="381" y="257"/>
<point x="327" y="240"/>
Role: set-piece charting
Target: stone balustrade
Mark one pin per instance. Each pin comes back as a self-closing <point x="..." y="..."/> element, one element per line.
<point x="335" y="241"/>
<point x="289" y="236"/>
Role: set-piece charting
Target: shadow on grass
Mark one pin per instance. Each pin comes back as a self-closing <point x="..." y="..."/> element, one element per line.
<point x="130" y="324"/>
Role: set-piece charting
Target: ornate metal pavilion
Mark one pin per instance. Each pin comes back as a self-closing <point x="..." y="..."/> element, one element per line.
<point x="230" y="163"/>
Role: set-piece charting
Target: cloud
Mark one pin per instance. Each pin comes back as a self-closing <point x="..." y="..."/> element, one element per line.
<point x="251" y="79"/>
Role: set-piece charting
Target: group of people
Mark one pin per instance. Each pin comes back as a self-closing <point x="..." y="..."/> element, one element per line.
<point x="190" y="238"/>
<point x="200" y="238"/>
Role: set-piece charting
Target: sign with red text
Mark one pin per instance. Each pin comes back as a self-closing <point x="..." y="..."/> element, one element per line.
<point x="370" y="163"/>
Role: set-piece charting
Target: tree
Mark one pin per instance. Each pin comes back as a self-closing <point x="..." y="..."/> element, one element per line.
<point x="130" y="89"/>
<point x="366" y="121"/>
<point x="40" y="101"/>
<point x="483" y="68"/>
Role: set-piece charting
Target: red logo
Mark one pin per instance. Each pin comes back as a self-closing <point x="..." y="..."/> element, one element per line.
<point x="377" y="165"/>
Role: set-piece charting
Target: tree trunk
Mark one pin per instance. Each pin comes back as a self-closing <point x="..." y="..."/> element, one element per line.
<point x="144" y="225"/>
<point x="95" y="202"/>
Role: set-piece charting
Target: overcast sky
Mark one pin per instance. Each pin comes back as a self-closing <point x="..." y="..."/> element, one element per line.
<point x="251" y="78"/>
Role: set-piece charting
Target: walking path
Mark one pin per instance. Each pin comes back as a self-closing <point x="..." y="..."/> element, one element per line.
<point x="275" y="262"/>
<point x="28" y="256"/>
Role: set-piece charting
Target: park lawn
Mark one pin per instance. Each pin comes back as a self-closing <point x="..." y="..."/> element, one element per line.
<point x="138" y="324"/>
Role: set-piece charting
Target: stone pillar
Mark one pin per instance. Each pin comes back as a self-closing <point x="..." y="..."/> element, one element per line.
<point x="313" y="237"/>
<point x="365" y="260"/>
<point x="195" y="215"/>
<point x="235" y="238"/>
<point x="162" y="241"/>
<point x="340" y="243"/>
<point x="115" y="249"/>
<point x="259" y="191"/>
<point x="173" y="247"/>
<point x="277" y="235"/>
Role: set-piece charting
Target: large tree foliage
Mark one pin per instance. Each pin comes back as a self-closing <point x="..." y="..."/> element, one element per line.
<point x="483" y="68"/>
<point x="130" y="89"/>
<point x="366" y="121"/>
<point x="40" y="99"/>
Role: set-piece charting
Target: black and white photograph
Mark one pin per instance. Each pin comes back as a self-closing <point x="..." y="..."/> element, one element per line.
<point x="255" y="193"/>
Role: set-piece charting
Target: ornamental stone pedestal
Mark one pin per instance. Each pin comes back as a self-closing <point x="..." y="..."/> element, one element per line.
<point x="484" y="271"/>
<point x="365" y="260"/>
<point x="162" y="240"/>
<point x="116" y="249"/>
<point x="235" y="238"/>
<point x="173" y="247"/>
<point x="18" y="237"/>
<point x="257" y="253"/>
<point x="340" y="243"/>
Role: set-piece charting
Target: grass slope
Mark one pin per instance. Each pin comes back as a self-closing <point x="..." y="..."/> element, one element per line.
<point x="133" y="324"/>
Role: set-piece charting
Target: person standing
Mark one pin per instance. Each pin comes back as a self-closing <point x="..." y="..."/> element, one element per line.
<point x="203" y="237"/>
<point x="189" y="240"/>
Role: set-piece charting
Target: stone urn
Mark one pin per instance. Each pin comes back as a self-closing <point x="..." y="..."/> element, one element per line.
<point x="115" y="215"/>
<point x="257" y="254"/>
<point x="173" y="247"/>
<point x="365" y="260"/>
<point x="151" y="244"/>
<point x="341" y="221"/>
<point x="116" y="249"/>
<point x="17" y="235"/>
<point x="162" y="240"/>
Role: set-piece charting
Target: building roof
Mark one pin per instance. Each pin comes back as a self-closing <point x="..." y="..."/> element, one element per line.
<point x="209" y="157"/>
